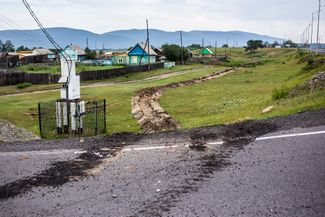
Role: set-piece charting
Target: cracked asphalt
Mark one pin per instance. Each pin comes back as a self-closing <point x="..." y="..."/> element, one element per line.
<point x="242" y="177"/>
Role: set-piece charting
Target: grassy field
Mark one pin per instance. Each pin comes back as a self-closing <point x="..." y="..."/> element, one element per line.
<point x="129" y="77"/>
<point x="56" y="69"/>
<point x="244" y="94"/>
<point x="238" y="96"/>
<point x="118" y="95"/>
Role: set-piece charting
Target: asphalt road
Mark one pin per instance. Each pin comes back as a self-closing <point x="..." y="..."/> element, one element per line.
<point x="271" y="177"/>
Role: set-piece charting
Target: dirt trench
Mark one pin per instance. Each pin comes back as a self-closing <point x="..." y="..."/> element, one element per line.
<point x="150" y="115"/>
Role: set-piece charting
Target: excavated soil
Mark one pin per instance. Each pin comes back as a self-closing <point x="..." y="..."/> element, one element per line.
<point x="150" y="115"/>
<point x="11" y="133"/>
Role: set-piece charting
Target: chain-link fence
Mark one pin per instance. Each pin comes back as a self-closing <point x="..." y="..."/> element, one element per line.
<point x="61" y="119"/>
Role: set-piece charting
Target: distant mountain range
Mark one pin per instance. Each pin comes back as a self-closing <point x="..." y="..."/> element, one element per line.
<point x="126" y="38"/>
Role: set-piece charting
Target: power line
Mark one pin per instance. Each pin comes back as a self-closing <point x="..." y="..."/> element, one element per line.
<point x="48" y="36"/>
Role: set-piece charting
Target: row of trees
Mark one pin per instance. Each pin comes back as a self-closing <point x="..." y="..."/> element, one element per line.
<point x="6" y="46"/>
<point x="253" y="45"/>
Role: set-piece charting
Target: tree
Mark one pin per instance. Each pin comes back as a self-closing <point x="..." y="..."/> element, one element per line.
<point x="90" y="54"/>
<point x="289" y="43"/>
<point x="7" y="46"/>
<point x="275" y="43"/>
<point x="253" y="45"/>
<point x="225" y="46"/>
<point x="194" y="46"/>
<point x="22" y="48"/>
<point x="174" y="52"/>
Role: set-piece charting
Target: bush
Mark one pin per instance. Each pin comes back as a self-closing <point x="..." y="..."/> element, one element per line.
<point x="23" y="85"/>
<point x="281" y="93"/>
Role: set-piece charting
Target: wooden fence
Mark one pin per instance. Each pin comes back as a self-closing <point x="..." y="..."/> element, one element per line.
<point x="13" y="78"/>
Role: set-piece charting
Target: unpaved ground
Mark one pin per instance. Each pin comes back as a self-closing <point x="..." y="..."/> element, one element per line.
<point x="150" y="115"/>
<point x="11" y="133"/>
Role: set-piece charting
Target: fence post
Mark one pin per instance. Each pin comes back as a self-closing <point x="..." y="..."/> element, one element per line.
<point x="40" y="120"/>
<point x="96" y="120"/>
<point x="105" y="116"/>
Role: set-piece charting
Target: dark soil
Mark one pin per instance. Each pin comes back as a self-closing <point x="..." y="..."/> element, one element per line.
<point x="58" y="173"/>
<point x="207" y="160"/>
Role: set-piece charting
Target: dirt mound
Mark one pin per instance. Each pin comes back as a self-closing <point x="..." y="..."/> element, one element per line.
<point x="151" y="116"/>
<point x="316" y="83"/>
<point x="11" y="133"/>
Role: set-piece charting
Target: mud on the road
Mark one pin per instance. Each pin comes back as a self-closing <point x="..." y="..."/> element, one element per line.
<point x="150" y="115"/>
<point x="193" y="169"/>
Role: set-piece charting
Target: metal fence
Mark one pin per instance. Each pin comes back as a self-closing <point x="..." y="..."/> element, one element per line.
<point x="92" y="122"/>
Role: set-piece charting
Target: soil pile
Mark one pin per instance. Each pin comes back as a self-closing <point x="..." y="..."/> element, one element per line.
<point x="11" y="133"/>
<point x="316" y="83"/>
<point x="150" y="115"/>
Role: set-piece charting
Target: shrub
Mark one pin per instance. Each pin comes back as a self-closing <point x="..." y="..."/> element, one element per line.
<point x="281" y="93"/>
<point x="23" y="85"/>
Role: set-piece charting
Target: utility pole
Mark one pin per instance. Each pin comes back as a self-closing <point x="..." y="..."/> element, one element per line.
<point x="148" y="44"/>
<point x="319" y="5"/>
<point x="182" y="51"/>
<point x="87" y="42"/>
<point x="202" y="42"/>
<point x="215" y="49"/>
<point x="311" y="30"/>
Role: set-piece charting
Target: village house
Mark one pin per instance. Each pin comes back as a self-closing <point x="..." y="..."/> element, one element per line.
<point x="206" y="53"/>
<point x="160" y="56"/>
<point x="76" y="52"/>
<point x="139" y="55"/>
<point x="120" y="59"/>
<point x="48" y="55"/>
<point x="8" y="60"/>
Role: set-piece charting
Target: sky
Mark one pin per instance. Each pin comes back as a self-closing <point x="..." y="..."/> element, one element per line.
<point x="279" y="18"/>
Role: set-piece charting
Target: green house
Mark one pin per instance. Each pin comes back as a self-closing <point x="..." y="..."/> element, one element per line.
<point x="120" y="59"/>
<point x="206" y="53"/>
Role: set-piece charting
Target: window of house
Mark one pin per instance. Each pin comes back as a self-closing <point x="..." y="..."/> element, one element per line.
<point x="120" y="60"/>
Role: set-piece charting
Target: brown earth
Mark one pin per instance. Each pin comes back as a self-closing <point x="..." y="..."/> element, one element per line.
<point x="316" y="83"/>
<point x="150" y="115"/>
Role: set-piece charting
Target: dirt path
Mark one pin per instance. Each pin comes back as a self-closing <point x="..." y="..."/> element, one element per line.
<point x="109" y="83"/>
<point x="150" y="115"/>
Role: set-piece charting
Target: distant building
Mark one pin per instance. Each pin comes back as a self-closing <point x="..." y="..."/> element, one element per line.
<point x="8" y="60"/>
<point x="120" y="59"/>
<point x="46" y="52"/>
<point x="160" y="56"/>
<point x="76" y="52"/>
<point x="139" y="55"/>
<point x="206" y="53"/>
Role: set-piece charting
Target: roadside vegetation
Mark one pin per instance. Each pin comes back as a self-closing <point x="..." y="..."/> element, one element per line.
<point x="264" y="78"/>
<point x="118" y="96"/>
<point x="56" y="69"/>
<point x="246" y="93"/>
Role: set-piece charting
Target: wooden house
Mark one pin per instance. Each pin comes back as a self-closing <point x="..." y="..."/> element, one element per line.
<point x="120" y="59"/>
<point x="49" y="55"/>
<point x="8" y="60"/>
<point x="141" y="55"/>
<point x="160" y="56"/>
<point x="76" y="51"/>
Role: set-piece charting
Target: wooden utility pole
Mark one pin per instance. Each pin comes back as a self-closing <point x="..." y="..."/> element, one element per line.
<point x="215" y="49"/>
<point x="148" y="44"/>
<point x="182" y="51"/>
